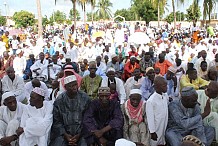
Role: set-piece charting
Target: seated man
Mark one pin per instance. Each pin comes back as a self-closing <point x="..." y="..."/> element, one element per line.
<point x="147" y="87"/>
<point x="162" y="64"/>
<point x="36" y="120"/>
<point x="54" y="68"/>
<point x="130" y="67"/>
<point x="27" y="71"/>
<point x="192" y="80"/>
<point x="10" y="116"/>
<point x="135" y="122"/>
<point x="118" y="82"/>
<point x="210" y="93"/>
<point x="39" y="68"/>
<point x="103" y="120"/>
<point x="68" y="110"/>
<point x="13" y="83"/>
<point x="29" y="86"/>
<point x="185" y="118"/>
<point x="91" y="82"/>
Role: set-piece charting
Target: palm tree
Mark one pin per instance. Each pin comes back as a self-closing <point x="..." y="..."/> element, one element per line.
<point x="103" y="10"/>
<point x="83" y="4"/>
<point x="40" y="28"/>
<point x="174" y="9"/>
<point x="208" y="6"/>
<point x="74" y="9"/>
<point x="93" y="3"/>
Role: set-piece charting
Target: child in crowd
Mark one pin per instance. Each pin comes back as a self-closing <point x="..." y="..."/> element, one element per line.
<point x="114" y="94"/>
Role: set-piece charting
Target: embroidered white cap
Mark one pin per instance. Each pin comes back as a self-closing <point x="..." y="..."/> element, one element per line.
<point x="135" y="91"/>
<point x="69" y="79"/>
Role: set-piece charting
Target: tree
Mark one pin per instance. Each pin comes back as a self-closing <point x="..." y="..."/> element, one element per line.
<point x="170" y="17"/>
<point x="83" y="4"/>
<point x="40" y="29"/>
<point x="103" y="9"/>
<point x="92" y="17"/>
<point x="58" y="16"/>
<point x="74" y="9"/>
<point x="93" y="3"/>
<point x="146" y="10"/>
<point x="126" y="13"/>
<point x="2" y="21"/>
<point x="174" y="9"/>
<point x="46" y="21"/>
<point x="24" y="19"/>
<point x="193" y="13"/>
<point x="208" y="6"/>
<point x="71" y="15"/>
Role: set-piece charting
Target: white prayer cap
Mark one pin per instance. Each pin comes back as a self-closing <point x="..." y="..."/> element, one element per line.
<point x="6" y="95"/>
<point x="18" y="51"/>
<point x="165" y="39"/>
<point x="135" y="91"/>
<point x="132" y="57"/>
<point x="172" y="69"/>
<point x="148" y="69"/>
<point x="69" y="79"/>
<point x="124" y="142"/>
<point x="39" y="91"/>
<point x="110" y="69"/>
<point x="113" y="55"/>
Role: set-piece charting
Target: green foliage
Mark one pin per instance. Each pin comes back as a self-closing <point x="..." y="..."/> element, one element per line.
<point x="193" y="13"/>
<point x="179" y="16"/>
<point x="145" y="10"/>
<point x="71" y="15"/>
<point x="46" y="21"/>
<point x="103" y="9"/>
<point x="89" y="17"/>
<point x="58" y="16"/>
<point x="68" y="22"/>
<point x="24" y="19"/>
<point x="126" y="13"/>
<point x="2" y="20"/>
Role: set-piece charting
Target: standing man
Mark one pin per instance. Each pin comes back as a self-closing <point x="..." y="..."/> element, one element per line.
<point x="5" y="39"/>
<point x="157" y="112"/>
<point x="68" y="112"/>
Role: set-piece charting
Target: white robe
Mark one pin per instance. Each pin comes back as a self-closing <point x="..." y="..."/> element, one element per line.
<point x="10" y="121"/>
<point x="17" y="86"/>
<point x="36" y="124"/>
<point x="54" y="70"/>
<point x="157" y="116"/>
<point x="19" y="65"/>
<point x="43" y="72"/>
<point x="119" y="88"/>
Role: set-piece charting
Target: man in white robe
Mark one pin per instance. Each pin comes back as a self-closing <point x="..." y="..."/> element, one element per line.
<point x="19" y="63"/>
<point x="36" y="120"/>
<point x="54" y="68"/>
<point x="10" y="115"/>
<point x="39" y="68"/>
<point x="157" y="112"/>
<point x="73" y="53"/>
<point x="110" y="78"/>
<point x="13" y="83"/>
<point x="29" y="86"/>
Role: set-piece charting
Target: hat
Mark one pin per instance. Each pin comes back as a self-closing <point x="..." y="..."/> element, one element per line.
<point x="124" y="142"/>
<point x="113" y="55"/>
<point x="172" y="69"/>
<point x="188" y="91"/>
<point x="69" y="79"/>
<point x="39" y="91"/>
<point x="135" y="91"/>
<point x="6" y="95"/>
<point x="18" y="51"/>
<point x="148" y="69"/>
<point x="104" y="90"/>
<point x="193" y="139"/>
<point x="132" y="57"/>
<point x="110" y="69"/>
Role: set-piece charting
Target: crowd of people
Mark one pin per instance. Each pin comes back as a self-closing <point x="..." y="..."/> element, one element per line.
<point x="96" y="85"/>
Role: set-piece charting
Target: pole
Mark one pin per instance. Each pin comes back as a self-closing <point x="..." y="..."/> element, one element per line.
<point x="6" y="15"/>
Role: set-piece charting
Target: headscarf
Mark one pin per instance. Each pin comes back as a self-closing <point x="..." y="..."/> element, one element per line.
<point x="135" y="114"/>
<point x="69" y="68"/>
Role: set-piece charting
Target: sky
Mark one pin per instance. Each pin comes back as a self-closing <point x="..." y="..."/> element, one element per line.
<point x="48" y="6"/>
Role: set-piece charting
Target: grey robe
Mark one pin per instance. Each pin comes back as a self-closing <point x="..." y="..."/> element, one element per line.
<point x="67" y="117"/>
